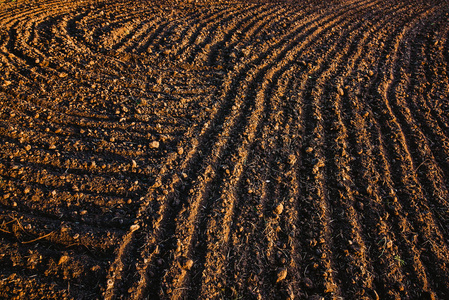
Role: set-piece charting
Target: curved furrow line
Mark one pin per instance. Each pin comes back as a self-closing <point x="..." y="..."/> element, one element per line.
<point x="7" y="16"/>
<point x="215" y="34"/>
<point x="14" y="57"/>
<point x="335" y="47"/>
<point x="224" y="150"/>
<point x="170" y="33"/>
<point x="120" y="38"/>
<point x="431" y="167"/>
<point x="272" y="252"/>
<point x="417" y="266"/>
<point x="84" y="29"/>
<point x="438" y="91"/>
<point x="212" y="33"/>
<point x="154" y="36"/>
<point x="172" y="45"/>
<point x="425" y="185"/>
<point x="403" y="192"/>
<point x="161" y="211"/>
<point x="218" y="219"/>
<point x="265" y="272"/>
<point x="152" y="43"/>
<point x="247" y="28"/>
<point x="409" y="258"/>
<point x="24" y="32"/>
<point x="253" y="205"/>
<point x="228" y="189"/>
<point x="413" y="188"/>
<point x="387" y="281"/>
<point x="194" y="30"/>
<point x="421" y="108"/>
<point x="23" y="50"/>
<point x="433" y="69"/>
<point x="217" y="258"/>
<point x="383" y="247"/>
<point x="192" y="210"/>
<point x="198" y="192"/>
<point x="235" y="31"/>
<point x="351" y="246"/>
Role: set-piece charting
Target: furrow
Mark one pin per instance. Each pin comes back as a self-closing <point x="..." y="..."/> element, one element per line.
<point x="397" y="152"/>
<point x="160" y="213"/>
<point x="351" y="246"/>
<point x="217" y="258"/>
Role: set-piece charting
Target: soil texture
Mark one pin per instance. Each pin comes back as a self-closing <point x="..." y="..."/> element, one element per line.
<point x="224" y="150"/>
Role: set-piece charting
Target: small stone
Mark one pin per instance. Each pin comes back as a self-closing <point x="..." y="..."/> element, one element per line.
<point x="188" y="265"/>
<point x="27" y="147"/>
<point x="7" y="83"/>
<point x="93" y="164"/>
<point x="134" y="164"/>
<point x="83" y="212"/>
<point x="341" y="92"/>
<point x="291" y="159"/>
<point x="27" y="190"/>
<point x="310" y="149"/>
<point x="134" y="227"/>
<point x="63" y="259"/>
<point x="180" y="150"/>
<point x="281" y="275"/>
<point x="279" y="208"/>
<point x="154" y="145"/>
<point x="52" y="147"/>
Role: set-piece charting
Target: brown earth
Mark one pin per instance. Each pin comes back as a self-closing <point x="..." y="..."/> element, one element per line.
<point x="224" y="150"/>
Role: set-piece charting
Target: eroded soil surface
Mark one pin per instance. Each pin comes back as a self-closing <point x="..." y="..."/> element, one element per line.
<point x="229" y="150"/>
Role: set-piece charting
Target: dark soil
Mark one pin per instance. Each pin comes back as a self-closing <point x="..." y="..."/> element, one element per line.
<point x="224" y="150"/>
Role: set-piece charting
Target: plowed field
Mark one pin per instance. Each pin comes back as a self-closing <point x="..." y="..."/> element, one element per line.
<point x="224" y="150"/>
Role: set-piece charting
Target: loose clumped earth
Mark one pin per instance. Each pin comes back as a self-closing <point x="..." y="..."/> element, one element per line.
<point x="224" y="150"/>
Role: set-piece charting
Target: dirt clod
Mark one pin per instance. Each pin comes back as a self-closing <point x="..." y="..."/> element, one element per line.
<point x="188" y="264"/>
<point x="154" y="145"/>
<point x="278" y="209"/>
<point x="281" y="275"/>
